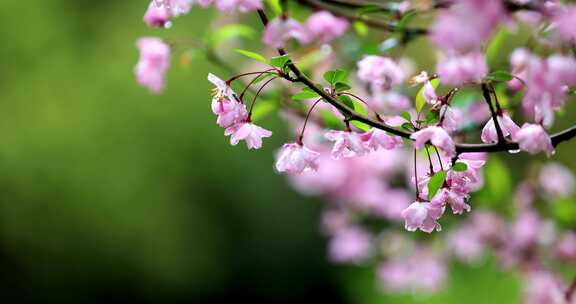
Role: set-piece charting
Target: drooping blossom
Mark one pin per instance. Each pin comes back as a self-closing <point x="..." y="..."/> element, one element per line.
<point x="423" y="216"/>
<point x="153" y="63"/>
<point x="225" y="104"/>
<point x="460" y="69"/>
<point x="241" y="5"/>
<point x="456" y="200"/>
<point x="507" y="125"/>
<point x="429" y="93"/>
<point x="542" y="287"/>
<point x="350" y="244"/>
<point x="376" y="138"/>
<point x="346" y="144"/>
<point x="280" y="30"/>
<point x="557" y="180"/>
<point x="160" y="12"/>
<point x="467" y="243"/>
<point x="326" y="27"/>
<point x="249" y="132"/>
<point x="565" y="23"/>
<point x="381" y="72"/>
<point x="437" y="136"/>
<point x="295" y="158"/>
<point x="566" y="247"/>
<point x="533" y="139"/>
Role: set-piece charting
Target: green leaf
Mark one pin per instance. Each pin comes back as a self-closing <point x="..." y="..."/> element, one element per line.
<point x="420" y="100"/>
<point x="346" y="100"/>
<point x="500" y="76"/>
<point x="361" y="28"/>
<point x="252" y="55"/>
<point x="435" y="183"/>
<point x="275" y="6"/>
<point x="334" y="76"/>
<point x="564" y="210"/>
<point x="495" y="45"/>
<point x="341" y="86"/>
<point x="330" y="120"/>
<point x="231" y="31"/>
<point x="460" y="167"/>
<point x="360" y="108"/>
<point x="406" y="19"/>
<point x="432" y="117"/>
<point x="279" y="61"/>
<point x="407" y="126"/>
<point x="306" y="93"/>
<point x="406" y="115"/>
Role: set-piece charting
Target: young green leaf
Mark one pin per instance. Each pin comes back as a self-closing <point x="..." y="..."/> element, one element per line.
<point x="435" y="183"/>
<point x="346" y="100"/>
<point x="341" y="86"/>
<point x="252" y="55"/>
<point x="360" y="108"/>
<point x="420" y="100"/>
<point x="460" y="167"/>
<point x="231" y="31"/>
<point x="279" y="61"/>
<point x="500" y="76"/>
<point x="406" y="115"/>
<point x="306" y="93"/>
<point x="334" y="76"/>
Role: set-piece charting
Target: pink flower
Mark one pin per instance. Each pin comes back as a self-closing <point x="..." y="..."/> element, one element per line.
<point x="557" y="180"/>
<point x="160" y="12"/>
<point x="351" y="244"/>
<point x="460" y="69"/>
<point x="565" y="23"/>
<point x="376" y="138"/>
<point x="225" y="104"/>
<point x="534" y="139"/>
<point x="438" y="137"/>
<point x="542" y="287"/>
<point x="507" y="126"/>
<point x="248" y="132"/>
<point x="294" y="158"/>
<point x="429" y="94"/>
<point x="346" y="144"/>
<point x="455" y="199"/>
<point x="566" y="246"/>
<point x="326" y="26"/>
<point x="279" y="30"/>
<point x="467" y="243"/>
<point x="241" y="5"/>
<point x="153" y="63"/>
<point x="381" y="72"/>
<point x="423" y="216"/>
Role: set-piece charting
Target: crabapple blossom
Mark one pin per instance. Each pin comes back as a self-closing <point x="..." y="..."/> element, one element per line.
<point x="160" y="12"/>
<point x="280" y="30"/>
<point x="225" y="104"/>
<point x="376" y="138"/>
<point x="423" y="216"/>
<point x="456" y="200"/>
<point x="381" y="72"/>
<point x="565" y="23"/>
<point x="241" y="5"/>
<point x="507" y="125"/>
<point x="350" y="244"/>
<point x="544" y="287"/>
<point x="556" y="180"/>
<point x="437" y="136"/>
<point x="566" y="246"/>
<point x="325" y="26"/>
<point x="533" y="139"/>
<point x="460" y="69"/>
<point x="294" y="158"/>
<point x="249" y="132"/>
<point x="346" y="144"/>
<point x="153" y="63"/>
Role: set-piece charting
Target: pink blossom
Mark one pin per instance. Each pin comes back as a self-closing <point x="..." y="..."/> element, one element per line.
<point x="460" y="69"/>
<point x="225" y="104"/>
<point x="533" y="139"/>
<point x="542" y="287"/>
<point x="325" y="26"/>
<point x="153" y="63"/>
<point x="241" y="5"/>
<point x="557" y="180"/>
<point x="279" y="30"/>
<point x="346" y="144"/>
<point x="376" y="138"/>
<point x="566" y="246"/>
<point x="467" y="243"/>
<point x="351" y="244"/>
<point x="452" y="29"/>
<point x="423" y="216"/>
<point x="294" y="158"/>
<point x="248" y="132"/>
<point x="507" y="125"/>
<point x="389" y="101"/>
<point x="160" y="12"/>
<point x="429" y="93"/>
<point x="438" y="137"/>
<point x="565" y="23"/>
<point x="381" y="72"/>
<point x="456" y="200"/>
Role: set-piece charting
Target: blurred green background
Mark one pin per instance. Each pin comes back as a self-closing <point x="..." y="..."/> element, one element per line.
<point x="109" y="194"/>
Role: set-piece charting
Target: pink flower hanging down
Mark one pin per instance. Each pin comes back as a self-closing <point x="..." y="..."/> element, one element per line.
<point x="294" y="158"/>
<point x="507" y="125"/>
<point x="153" y="63"/>
<point x="460" y="69"/>
<point x="438" y="137"/>
<point x="533" y="139"/>
<point x="456" y="200"/>
<point x="346" y="144"/>
<point x="325" y="26"/>
<point x="381" y="72"/>
<point x="249" y="132"/>
<point x="225" y="104"/>
<point x="423" y="216"/>
<point x="160" y="12"/>
<point x="565" y="23"/>
<point x="376" y="138"/>
<point x="241" y="5"/>
<point x="280" y="30"/>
